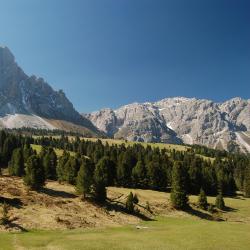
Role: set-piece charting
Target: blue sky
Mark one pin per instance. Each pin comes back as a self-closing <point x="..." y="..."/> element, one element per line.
<point x="106" y="53"/>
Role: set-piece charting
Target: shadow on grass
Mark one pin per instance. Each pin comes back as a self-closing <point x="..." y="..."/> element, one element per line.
<point x="120" y="207"/>
<point x="56" y="193"/>
<point x="229" y="209"/>
<point x="202" y="215"/>
<point x="11" y="224"/>
<point x="238" y="197"/>
<point x="14" y="202"/>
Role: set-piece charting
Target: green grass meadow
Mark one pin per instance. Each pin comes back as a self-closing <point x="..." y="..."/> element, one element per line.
<point x="163" y="232"/>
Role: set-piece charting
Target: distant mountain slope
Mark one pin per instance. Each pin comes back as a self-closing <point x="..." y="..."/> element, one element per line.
<point x="192" y="121"/>
<point x="31" y="102"/>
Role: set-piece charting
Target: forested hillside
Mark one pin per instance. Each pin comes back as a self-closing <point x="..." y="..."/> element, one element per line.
<point x="95" y="165"/>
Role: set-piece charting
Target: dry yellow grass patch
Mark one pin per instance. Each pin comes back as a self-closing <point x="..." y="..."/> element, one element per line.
<point x="55" y="207"/>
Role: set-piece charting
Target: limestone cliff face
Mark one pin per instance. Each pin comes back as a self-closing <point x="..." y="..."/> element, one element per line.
<point x="190" y="120"/>
<point x="135" y="122"/>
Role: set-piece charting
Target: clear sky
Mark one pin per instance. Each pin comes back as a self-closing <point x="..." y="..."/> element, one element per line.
<point x="106" y="53"/>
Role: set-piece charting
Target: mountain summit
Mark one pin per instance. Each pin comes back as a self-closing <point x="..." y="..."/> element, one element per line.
<point x="28" y="101"/>
<point x="189" y="120"/>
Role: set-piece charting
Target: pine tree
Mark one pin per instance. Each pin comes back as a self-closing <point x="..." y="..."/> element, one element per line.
<point x="126" y="162"/>
<point x="43" y="152"/>
<point x="60" y="169"/>
<point x="226" y="183"/>
<point x="179" y="197"/>
<point x="209" y="179"/>
<point x="8" y="148"/>
<point x="34" y="173"/>
<point x="157" y="175"/>
<point x="84" y="178"/>
<point x="71" y="170"/>
<point x="138" y="174"/>
<point x="27" y="152"/>
<point x="3" y="136"/>
<point x="135" y="199"/>
<point x="16" y="164"/>
<point x="100" y="181"/>
<point x="247" y="182"/>
<point x="49" y="160"/>
<point x="202" y="200"/>
<point x="46" y="165"/>
<point x="67" y="168"/>
<point x="219" y="203"/>
<point x="110" y="169"/>
<point x="130" y="203"/>
<point x="195" y="176"/>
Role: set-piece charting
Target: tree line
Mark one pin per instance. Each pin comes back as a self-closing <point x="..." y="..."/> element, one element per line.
<point x="95" y="165"/>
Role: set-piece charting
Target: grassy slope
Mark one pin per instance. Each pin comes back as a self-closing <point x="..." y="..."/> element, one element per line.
<point x="176" y="230"/>
<point x="119" y="142"/>
<point x="59" y="152"/>
<point x="130" y="143"/>
<point x="177" y="147"/>
<point x="160" y="145"/>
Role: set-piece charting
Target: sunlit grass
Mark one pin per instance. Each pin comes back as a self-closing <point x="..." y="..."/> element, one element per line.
<point x="59" y="152"/>
<point x="164" y="232"/>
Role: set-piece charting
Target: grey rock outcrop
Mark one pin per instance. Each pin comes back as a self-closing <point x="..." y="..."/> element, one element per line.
<point x="190" y="120"/>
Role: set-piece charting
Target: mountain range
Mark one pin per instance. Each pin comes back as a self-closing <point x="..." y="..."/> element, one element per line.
<point x="223" y="126"/>
<point x="28" y="101"/>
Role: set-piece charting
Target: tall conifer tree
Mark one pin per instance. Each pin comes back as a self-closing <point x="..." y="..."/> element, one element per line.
<point x="16" y="164"/>
<point x="247" y="182"/>
<point x="84" y="178"/>
<point x="179" y="197"/>
<point x="34" y="173"/>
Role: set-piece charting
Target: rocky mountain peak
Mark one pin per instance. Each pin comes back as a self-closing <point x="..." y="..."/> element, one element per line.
<point x="32" y="96"/>
<point x="181" y="119"/>
<point x="6" y="57"/>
